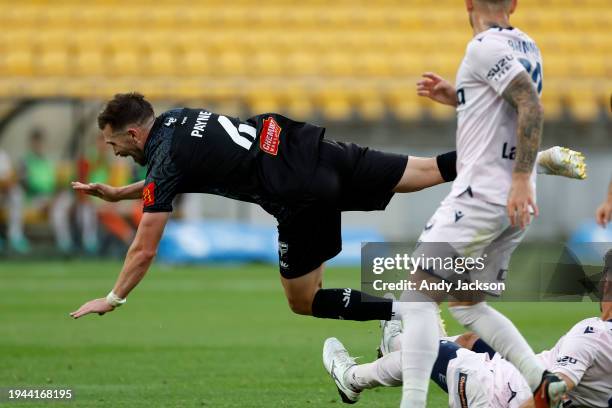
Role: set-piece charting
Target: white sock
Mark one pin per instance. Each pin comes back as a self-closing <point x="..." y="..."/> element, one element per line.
<point x="501" y="334"/>
<point x="419" y="348"/>
<point x="396" y="310"/>
<point x="386" y="372"/>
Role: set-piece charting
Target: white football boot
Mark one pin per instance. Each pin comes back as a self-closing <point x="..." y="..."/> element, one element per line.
<point x="390" y="337"/>
<point x="561" y="161"/>
<point x="337" y="361"/>
<point x="391" y="329"/>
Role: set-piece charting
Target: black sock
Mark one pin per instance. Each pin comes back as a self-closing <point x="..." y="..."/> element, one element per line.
<point x="481" y="347"/>
<point x="350" y="304"/>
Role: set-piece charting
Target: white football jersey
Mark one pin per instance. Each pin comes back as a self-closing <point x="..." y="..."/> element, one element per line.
<point x="476" y="381"/>
<point x="486" y="128"/>
<point x="584" y="354"/>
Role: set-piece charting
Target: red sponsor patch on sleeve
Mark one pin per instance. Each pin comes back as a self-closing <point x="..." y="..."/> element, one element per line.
<point x="148" y="194"/>
<point x="269" y="138"/>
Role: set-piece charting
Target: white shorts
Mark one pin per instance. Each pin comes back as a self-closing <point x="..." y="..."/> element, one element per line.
<point x="468" y="227"/>
<point x="475" y="381"/>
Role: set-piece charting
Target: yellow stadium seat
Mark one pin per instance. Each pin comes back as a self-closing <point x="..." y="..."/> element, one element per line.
<point x="18" y="63"/>
<point x="557" y="66"/>
<point x="163" y="16"/>
<point x="302" y="64"/>
<point x="125" y="63"/>
<point x="334" y="101"/>
<point x="338" y="64"/>
<point x="373" y="65"/>
<point x="260" y="98"/>
<point x="588" y="66"/>
<point x="17" y="40"/>
<point x="196" y="63"/>
<point x="57" y="40"/>
<point x="583" y="104"/>
<point x="231" y="64"/>
<point x="161" y="63"/>
<point x="52" y="63"/>
<point x="299" y="107"/>
<point x="88" y="40"/>
<point x="311" y="44"/>
<point x="266" y="63"/>
<point x="403" y="102"/>
<point x="90" y="63"/>
<point x="552" y="100"/>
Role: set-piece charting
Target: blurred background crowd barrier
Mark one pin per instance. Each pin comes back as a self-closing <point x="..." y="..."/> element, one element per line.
<point x="349" y="65"/>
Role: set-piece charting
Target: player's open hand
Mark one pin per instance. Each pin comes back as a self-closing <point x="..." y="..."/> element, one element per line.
<point x="521" y="201"/>
<point x="604" y="213"/>
<point x="103" y="191"/>
<point x="437" y="88"/>
<point x="99" y="306"/>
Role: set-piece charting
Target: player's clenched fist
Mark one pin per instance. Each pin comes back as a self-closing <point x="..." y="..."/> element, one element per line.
<point x="99" y="306"/>
<point x="604" y="213"/>
<point x="521" y="201"/>
<point x="437" y="88"/>
<point x="100" y="190"/>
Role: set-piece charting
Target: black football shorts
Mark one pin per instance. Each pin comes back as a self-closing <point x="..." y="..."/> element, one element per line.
<point x="347" y="177"/>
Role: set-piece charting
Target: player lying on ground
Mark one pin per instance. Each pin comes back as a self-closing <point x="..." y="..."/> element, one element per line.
<point x="499" y="129"/>
<point x="471" y="379"/>
<point x="286" y="167"/>
<point x="474" y="375"/>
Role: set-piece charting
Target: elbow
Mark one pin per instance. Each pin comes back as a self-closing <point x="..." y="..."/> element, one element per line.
<point x="534" y="110"/>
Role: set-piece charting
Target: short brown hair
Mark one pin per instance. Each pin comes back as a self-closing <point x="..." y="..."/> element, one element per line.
<point x="495" y="2"/>
<point x="125" y="109"/>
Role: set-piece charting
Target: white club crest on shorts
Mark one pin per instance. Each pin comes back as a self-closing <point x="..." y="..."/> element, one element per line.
<point x="283" y="248"/>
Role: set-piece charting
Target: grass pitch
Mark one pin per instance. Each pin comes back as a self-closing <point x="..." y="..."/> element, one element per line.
<point x="196" y="337"/>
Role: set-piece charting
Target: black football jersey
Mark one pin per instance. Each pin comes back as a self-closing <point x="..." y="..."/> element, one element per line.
<point x="267" y="159"/>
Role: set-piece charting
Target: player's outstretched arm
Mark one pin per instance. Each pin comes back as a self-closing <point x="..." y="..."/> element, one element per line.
<point x="522" y="95"/>
<point x="437" y="88"/>
<point x="424" y="172"/>
<point x="604" y="211"/>
<point x="137" y="262"/>
<point x="109" y="193"/>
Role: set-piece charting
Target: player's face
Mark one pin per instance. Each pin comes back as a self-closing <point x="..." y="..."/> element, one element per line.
<point x="124" y="144"/>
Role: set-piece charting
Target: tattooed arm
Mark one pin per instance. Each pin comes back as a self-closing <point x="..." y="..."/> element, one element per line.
<point x="522" y="95"/>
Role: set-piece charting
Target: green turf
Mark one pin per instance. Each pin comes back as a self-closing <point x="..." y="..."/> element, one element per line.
<point x="195" y="337"/>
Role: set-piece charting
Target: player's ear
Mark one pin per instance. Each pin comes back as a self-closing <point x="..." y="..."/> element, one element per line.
<point x="513" y="4"/>
<point x="469" y="5"/>
<point x="133" y="133"/>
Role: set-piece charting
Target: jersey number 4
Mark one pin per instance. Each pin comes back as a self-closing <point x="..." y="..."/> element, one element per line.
<point x="536" y="72"/>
